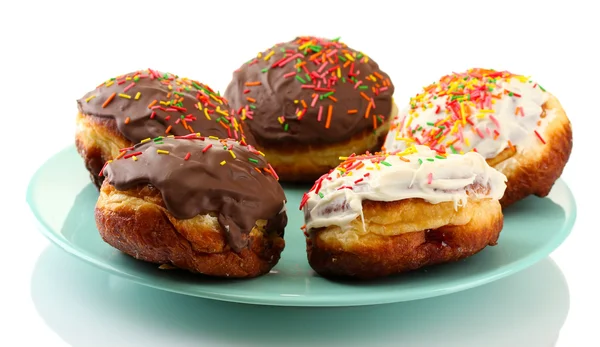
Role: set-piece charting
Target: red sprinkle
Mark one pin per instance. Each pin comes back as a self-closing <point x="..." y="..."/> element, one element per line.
<point x="207" y="148"/>
<point x="539" y="136"/>
<point x="187" y="156"/>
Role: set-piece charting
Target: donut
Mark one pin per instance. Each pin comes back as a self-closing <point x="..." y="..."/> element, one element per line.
<point x="310" y="100"/>
<point x="520" y="128"/>
<point x="126" y="109"/>
<point x="206" y="205"/>
<point x="387" y="213"/>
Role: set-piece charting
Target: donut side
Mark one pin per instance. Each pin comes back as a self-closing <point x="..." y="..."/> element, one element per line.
<point x="533" y="170"/>
<point x="137" y="223"/>
<point x="306" y="163"/>
<point x="97" y="140"/>
<point x="402" y="236"/>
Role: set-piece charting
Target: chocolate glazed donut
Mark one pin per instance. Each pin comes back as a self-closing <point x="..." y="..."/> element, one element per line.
<point x="205" y="205"/>
<point x="304" y="97"/>
<point x="145" y="104"/>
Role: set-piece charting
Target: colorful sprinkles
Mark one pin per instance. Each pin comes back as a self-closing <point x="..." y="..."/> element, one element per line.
<point x="210" y="143"/>
<point x="172" y="108"/>
<point x="470" y="97"/>
<point x="321" y="67"/>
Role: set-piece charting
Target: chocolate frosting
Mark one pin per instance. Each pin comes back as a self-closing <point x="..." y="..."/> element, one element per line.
<point x="284" y="89"/>
<point x="149" y="103"/>
<point x="223" y="177"/>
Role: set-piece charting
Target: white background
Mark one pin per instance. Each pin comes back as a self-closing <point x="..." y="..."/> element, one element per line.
<point x="51" y="53"/>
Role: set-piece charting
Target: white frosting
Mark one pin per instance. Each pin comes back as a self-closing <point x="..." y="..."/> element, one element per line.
<point x="498" y="116"/>
<point x="336" y="198"/>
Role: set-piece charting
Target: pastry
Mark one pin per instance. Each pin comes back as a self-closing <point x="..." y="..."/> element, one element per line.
<point x="207" y="205"/>
<point x="310" y="100"/>
<point x="519" y="127"/>
<point x="381" y="214"/>
<point x="126" y="109"/>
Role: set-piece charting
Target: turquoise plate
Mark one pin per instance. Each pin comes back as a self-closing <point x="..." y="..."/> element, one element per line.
<point x="62" y="199"/>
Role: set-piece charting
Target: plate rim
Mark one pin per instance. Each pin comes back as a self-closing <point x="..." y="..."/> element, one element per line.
<point x="300" y="301"/>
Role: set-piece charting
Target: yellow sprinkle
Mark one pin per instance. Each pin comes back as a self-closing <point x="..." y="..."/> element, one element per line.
<point x="349" y="173"/>
<point x="343" y="158"/>
<point x="160" y="151"/>
<point x="146" y="140"/>
<point x="232" y="154"/>
<point x="377" y="166"/>
<point x="128" y="78"/>
<point x="296" y="101"/>
<point x="170" y="87"/>
<point x="216" y="99"/>
<point x="206" y="114"/>
<point x="369" y="168"/>
<point x="222" y="112"/>
<point x="366" y="59"/>
<point x="339" y="73"/>
<point x="462" y="152"/>
<point x="90" y="98"/>
<point x="170" y="136"/>
<point x="351" y="58"/>
<point x="486" y="111"/>
<point x="467" y="142"/>
<point x="481" y="115"/>
<point x="125" y="96"/>
<point x="261" y="153"/>
<point x="134" y="158"/>
<point x="213" y="137"/>
<point x="259" y="55"/>
<point x="269" y="55"/>
<point x="137" y="95"/>
<point x="165" y="103"/>
<point x="199" y="106"/>
<point x="462" y="112"/>
<point x="409" y="121"/>
<point x="405" y="139"/>
<point x="306" y="44"/>
<point x="110" y="83"/>
<point x="493" y="101"/>
<point x="222" y="163"/>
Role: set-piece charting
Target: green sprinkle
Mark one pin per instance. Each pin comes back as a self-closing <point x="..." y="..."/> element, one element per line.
<point x="326" y="95"/>
<point x="253" y="107"/>
<point x="300" y="79"/>
<point x="420" y="161"/>
<point x="430" y="124"/>
<point x="282" y="49"/>
<point x="336" y="39"/>
<point x="158" y="138"/>
<point x="363" y="87"/>
<point x="264" y="70"/>
<point x="307" y="77"/>
<point x="136" y="78"/>
<point x="315" y="48"/>
<point x="429" y="159"/>
<point x="253" y="160"/>
<point x="344" y="79"/>
<point x="440" y="157"/>
<point x="386" y="163"/>
<point x="342" y="58"/>
<point x="359" y="55"/>
<point x="543" y="90"/>
<point x="286" y="126"/>
<point x="510" y="94"/>
<point x="159" y="142"/>
<point x="453" y="149"/>
<point x="321" y="195"/>
<point x="439" y="134"/>
<point x="196" y="85"/>
<point x="490" y="89"/>
<point x="178" y="93"/>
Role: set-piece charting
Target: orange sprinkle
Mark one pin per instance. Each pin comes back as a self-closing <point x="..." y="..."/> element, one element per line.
<point x="127" y="120"/>
<point x="352" y="111"/>
<point x="404" y="159"/>
<point x="512" y="147"/>
<point x="378" y="75"/>
<point x="303" y="103"/>
<point x="185" y="126"/>
<point x="329" y="112"/>
<point x="168" y="129"/>
<point x="223" y="125"/>
<point x="374" y="122"/>
<point x="152" y="103"/>
<point x="251" y="99"/>
<point x="257" y="169"/>
<point x="332" y="98"/>
<point x="121" y="155"/>
<point x="252" y="84"/>
<point x="368" y="110"/>
<point x="365" y="96"/>
<point x="168" y="95"/>
<point x="190" y="129"/>
<point x="110" y="98"/>
<point x="359" y="166"/>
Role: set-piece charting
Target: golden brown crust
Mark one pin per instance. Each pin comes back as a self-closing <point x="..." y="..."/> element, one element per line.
<point x="306" y="163"/>
<point x="97" y="140"/>
<point x="402" y="236"/>
<point x="534" y="170"/>
<point x="137" y="223"/>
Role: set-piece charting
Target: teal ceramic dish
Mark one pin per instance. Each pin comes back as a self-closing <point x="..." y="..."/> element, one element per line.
<point x="62" y="200"/>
